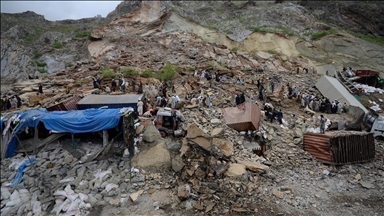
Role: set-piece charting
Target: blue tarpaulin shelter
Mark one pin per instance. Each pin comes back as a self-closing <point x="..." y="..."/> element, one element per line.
<point x="73" y="121"/>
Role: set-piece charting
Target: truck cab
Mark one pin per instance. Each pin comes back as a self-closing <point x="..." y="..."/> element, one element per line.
<point x="168" y="122"/>
<point x="374" y="123"/>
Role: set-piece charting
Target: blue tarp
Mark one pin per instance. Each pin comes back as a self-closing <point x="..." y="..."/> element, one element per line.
<point x="73" y="121"/>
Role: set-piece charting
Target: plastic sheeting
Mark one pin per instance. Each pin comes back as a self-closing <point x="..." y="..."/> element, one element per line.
<point x="74" y="121"/>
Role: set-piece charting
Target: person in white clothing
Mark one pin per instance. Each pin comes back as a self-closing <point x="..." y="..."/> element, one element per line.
<point x="140" y="107"/>
<point x="122" y="86"/>
<point x="173" y="98"/>
<point x="200" y="98"/>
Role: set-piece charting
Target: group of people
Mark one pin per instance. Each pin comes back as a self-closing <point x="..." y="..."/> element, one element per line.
<point x="10" y="102"/>
<point x="322" y="104"/>
<point x="272" y="113"/>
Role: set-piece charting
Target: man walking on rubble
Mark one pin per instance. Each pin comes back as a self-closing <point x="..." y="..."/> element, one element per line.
<point x="113" y="85"/>
<point x="122" y="86"/>
<point x="208" y="101"/>
<point x="140" y="105"/>
<point x="40" y="88"/>
<point x="323" y="120"/>
<point x="140" y="90"/>
<point x="133" y="85"/>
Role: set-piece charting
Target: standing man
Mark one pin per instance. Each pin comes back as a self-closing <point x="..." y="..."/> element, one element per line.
<point x="140" y="105"/>
<point x="133" y="85"/>
<point x="113" y="85"/>
<point x="122" y="87"/>
<point x="322" y="123"/>
<point x="158" y="100"/>
<point x="40" y="88"/>
<point x="272" y="86"/>
<point x="140" y="90"/>
<point x="208" y="101"/>
<point x="279" y="115"/>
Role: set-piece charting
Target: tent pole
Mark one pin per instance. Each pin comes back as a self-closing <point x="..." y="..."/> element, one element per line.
<point x="73" y="141"/>
<point x="35" y="139"/>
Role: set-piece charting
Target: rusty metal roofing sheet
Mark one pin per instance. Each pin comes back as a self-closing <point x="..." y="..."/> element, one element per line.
<point x="243" y="120"/>
<point x="110" y="99"/>
<point x="340" y="147"/>
<point x="68" y="104"/>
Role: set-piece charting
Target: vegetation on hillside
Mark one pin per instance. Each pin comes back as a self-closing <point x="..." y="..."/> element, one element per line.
<point x="320" y="34"/>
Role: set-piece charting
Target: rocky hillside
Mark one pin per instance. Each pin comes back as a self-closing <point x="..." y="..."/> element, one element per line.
<point x="329" y="34"/>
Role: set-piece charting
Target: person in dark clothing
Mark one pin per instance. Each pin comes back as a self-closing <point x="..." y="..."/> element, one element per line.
<point x="19" y="103"/>
<point x="328" y="107"/>
<point x="242" y="98"/>
<point x="9" y="105"/>
<point x="238" y="100"/>
<point x="40" y="88"/>
<point x="279" y="115"/>
<point x="163" y="102"/>
<point x="95" y="83"/>
<point x="140" y="90"/>
<point x="133" y="85"/>
<point x="217" y="77"/>
<point x="4" y="103"/>
<point x="272" y="86"/>
<point x="113" y="85"/>
<point x="98" y="80"/>
<point x="258" y="84"/>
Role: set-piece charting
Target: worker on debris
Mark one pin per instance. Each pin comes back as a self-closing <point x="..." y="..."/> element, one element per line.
<point x="272" y="86"/>
<point x="237" y="100"/>
<point x="314" y="119"/>
<point x="345" y="107"/>
<point x="323" y="120"/>
<point x="113" y="85"/>
<point x="4" y="103"/>
<point x="122" y="86"/>
<point x="158" y="100"/>
<point x="304" y="126"/>
<point x="40" y="88"/>
<point x="200" y="98"/>
<point x="163" y="102"/>
<point x="95" y="85"/>
<point x="140" y="105"/>
<point x="202" y="75"/>
<point x="208" y="100"/>
<point x="133" y="83"/>
<point x="279" y="115"/>
<point x="173" y="98"/>
<point x="140" y="90"/>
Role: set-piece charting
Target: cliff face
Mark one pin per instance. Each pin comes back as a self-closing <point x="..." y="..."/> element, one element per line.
<point x="31" y="45"/>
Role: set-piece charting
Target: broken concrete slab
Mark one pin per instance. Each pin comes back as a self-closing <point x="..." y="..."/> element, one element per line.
<point x="157" y="156"/>
<point x="236" y="170"/>
<point x="225" y="146"/>
<point x="253" y="166"/>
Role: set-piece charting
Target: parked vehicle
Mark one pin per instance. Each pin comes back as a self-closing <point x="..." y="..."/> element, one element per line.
<point x="374" y="123"/>
<point x="168" y="122"/>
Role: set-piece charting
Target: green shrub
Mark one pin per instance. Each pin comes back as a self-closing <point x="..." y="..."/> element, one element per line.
<point x="372" y="39"/>
<point x="234" y="49"/>
<point x="68" y="65"/>
<point x="41" y="70"/>
<point x="320" y="34"/>
<point x="40" y="64"/>
<point x="126" y="71"/>
<point x="83" y="34"/>
<point x="273" y="52"/>
<point x="168" y="71"/>
<point x="37" y="54"/>
<point x="147" y="74"/>
<point x="108" y="73"/>
<point x="57" y="45"/>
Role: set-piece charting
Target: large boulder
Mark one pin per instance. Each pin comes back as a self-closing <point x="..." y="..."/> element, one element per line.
<point x="151" y="134"/>
<point x="157" y="156"/>
<point x="225" y="146"/>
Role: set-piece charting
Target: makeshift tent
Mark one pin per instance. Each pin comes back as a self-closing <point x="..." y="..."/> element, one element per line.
<point x="334" y="90"/>
<point x="73" y="121"/>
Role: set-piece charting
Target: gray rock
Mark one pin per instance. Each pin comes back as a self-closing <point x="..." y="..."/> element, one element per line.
<point x="177" y="163"/>
<point x="151" y="134"/>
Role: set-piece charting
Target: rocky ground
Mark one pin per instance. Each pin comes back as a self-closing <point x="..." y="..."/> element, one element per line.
<point x="214" y="169"/>
<point x="217" y="165"/>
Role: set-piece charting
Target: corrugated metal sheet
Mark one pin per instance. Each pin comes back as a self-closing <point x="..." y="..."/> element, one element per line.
<point x="68" y="104"/>
<point x="112" y="101"/>
<point x="243" y="120"/>
<point x="340" y="147"/>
